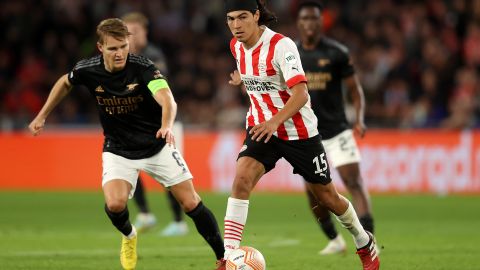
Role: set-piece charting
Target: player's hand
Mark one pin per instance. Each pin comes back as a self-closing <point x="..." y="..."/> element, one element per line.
<point x="264" y="130"/>
<point x="235" y="78"/>
<point x="36" y="126"/>
<point x="359" y="129"/>
<point x="166" y="133"/>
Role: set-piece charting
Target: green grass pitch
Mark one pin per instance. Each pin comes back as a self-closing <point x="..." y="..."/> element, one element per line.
<point x="69" y="230"/>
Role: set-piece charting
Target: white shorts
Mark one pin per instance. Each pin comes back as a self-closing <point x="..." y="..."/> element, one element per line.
<point x="167" y="167"/>
<point x="342" y="149"/>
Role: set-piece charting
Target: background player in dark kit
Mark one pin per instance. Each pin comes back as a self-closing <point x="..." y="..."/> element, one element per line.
<point x="137" y="25"/>
<point x="328" y="68"/>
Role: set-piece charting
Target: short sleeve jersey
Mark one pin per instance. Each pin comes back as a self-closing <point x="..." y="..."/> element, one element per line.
<point x="129" y="114"/>
<point x="325" y="67"/>
<point x="269" y="70"/>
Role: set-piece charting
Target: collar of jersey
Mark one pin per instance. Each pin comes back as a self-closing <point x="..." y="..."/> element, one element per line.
<point x="260" y="40"/>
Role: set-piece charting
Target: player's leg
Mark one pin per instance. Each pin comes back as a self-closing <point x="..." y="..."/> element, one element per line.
<point x="336" y="243"/>
<point x="178" y="226"/>
<point x="254" y="160"/>
<point x="202" y="217"/>
<point x="119" y="181"/>
<point x="145" y="220"/>
<point x="346" y="215"/>
<point x="248" y="172"/>
<point x="309" y="160"/>
<point x="350" y="174"/>
<point x="170" y="169"/>
<point x="344" y="155"/>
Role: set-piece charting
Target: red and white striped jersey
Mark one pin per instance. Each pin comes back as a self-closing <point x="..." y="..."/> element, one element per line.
<point x="268" y="70"/>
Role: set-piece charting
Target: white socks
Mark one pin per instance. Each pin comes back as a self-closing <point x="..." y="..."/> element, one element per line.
<point x="235" y="219"/>
<point x="349" y="221"/>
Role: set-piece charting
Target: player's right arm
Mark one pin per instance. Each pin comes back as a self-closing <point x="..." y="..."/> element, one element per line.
<point x="61" y="88"/>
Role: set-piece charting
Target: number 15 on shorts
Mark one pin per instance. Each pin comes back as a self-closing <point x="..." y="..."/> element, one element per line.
<point x="320" y="164"/>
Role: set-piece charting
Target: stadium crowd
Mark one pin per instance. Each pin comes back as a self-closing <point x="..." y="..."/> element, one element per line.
<point x="418" y="61"/>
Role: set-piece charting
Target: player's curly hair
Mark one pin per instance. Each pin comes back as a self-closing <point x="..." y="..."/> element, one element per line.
<point x="113" y="27"/>
<point x="267" y="17"/>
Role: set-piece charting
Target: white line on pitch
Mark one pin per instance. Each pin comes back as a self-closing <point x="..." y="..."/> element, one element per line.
<point x="284" y="242"/>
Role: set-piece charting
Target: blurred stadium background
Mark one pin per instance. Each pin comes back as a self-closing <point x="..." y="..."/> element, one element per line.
<point x="419" y="64"/>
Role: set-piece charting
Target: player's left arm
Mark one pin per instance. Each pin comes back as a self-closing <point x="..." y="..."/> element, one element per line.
<point x="287" y="59"/>
<point x="358" y="99"/>
<point x="163" y="95"/>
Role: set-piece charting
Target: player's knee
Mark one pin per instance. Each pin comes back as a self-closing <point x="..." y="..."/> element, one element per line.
<point x="189" y="205"/>
<point x="242" y="186"/>
<point x="353" y="183"/>
<point x="116" y="205"/>
<point x="329" y="200"/>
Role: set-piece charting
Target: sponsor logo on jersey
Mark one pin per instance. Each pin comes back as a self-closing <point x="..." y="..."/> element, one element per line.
<point x="119" y="105"/>
<point x="323" y="62"/>
<point x="290" y="58"/>
<point x="99" y="89"/>
<point x="131" y="87"/>
<point x="318" y="80"/>
<point x="255" y="85"/>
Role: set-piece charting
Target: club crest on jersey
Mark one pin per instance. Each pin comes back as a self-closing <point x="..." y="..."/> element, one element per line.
<point x="323" y="62"/>
<point x="262" y="67"/>
<point x="99" y="89"/>
<point x="290" y="58"/>
<point x="131" y="87"/>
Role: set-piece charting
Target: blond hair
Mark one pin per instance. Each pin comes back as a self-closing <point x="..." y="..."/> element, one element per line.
<point x="136" y="17"/>
<point x="113" y="27"/>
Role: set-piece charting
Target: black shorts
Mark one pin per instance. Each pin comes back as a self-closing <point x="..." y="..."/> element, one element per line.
<point x="307" y="157"/>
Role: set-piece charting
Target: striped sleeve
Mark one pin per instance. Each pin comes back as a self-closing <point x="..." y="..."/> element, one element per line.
<point x="288" y="60"/>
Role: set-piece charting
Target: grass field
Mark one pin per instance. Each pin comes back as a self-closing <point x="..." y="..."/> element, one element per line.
<point x="60" y="230"/>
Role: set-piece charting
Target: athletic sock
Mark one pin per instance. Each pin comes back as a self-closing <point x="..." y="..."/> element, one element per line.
<point x="235" y="219"/>
<point x="349" y="221"/>
<point x="367" y="223"/>
<point x="207" y="226"/>
<point x="132" y="234"/>
<point x="140" y="197"/>
<point x="120" y="221"/>
<point x="175" y="207"/>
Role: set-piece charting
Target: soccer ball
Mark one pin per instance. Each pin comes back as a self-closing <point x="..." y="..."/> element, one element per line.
<point x="246" y="258"/>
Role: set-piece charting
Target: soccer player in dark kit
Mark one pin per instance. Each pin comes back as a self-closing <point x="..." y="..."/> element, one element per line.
<point x="280" y="123"/>
<point x="137" y="110"/>
<point x="328" y="67"/>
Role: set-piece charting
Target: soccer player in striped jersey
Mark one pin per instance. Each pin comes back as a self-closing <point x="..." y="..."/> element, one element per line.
<point x="137" y="110"/>
<point x="280" y="123"/>
<point x="328" y="66"/>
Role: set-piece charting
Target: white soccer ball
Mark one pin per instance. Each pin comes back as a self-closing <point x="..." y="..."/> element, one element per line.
<point x="246" y="258"/>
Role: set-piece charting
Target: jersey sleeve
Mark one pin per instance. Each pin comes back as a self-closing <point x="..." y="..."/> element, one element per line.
<point x="345" y="63"/>
<point x="154" y="79"/>
<point x="152" y="73"/>
<point x="288" y="61"/>
<point x="75" y="75"/>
